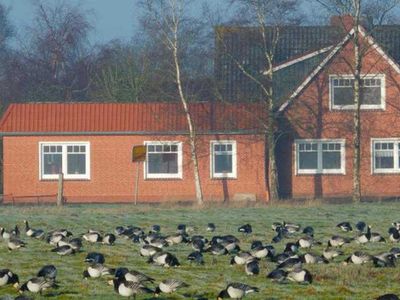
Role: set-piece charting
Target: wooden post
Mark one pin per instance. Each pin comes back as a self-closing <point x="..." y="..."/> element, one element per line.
<point x="60" y="189"/>
<point x="137" y="181"/>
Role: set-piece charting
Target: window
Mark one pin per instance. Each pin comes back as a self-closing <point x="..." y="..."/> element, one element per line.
<point x="164" y="160"/>
<point x="386" y="156"/>
<point x="223" y="159"/>
<point x="320" y="156"/>
<point x="372" y="92"/>
<point x="69" y="158"/>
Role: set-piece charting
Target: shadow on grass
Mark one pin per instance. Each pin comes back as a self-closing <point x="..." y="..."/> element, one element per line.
<point x="57" y="294"/>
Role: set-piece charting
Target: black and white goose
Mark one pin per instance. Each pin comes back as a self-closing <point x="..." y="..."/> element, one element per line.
<point x="311" y="258"/>
<point x="252" y="267"/>
<point x="217" y="249"/>
<point x="196" y="257"/>
<point x="97" y="270"/>
<point x="308" y="230"/>
<point x="149" y="250"/>
<point x="132" y="275"/>
<point x="55" y="239"/>
<point x="48" y="271"/>
<point x="246" y="229"/>
<point x="8" y="277"/>
<point x="384" y="260"/>
<point x="291" y="227"/>
<point x="95" y="257"/>
<point x="34" y="233"/>
<point x="358" y="258"/>
<point x="164" y="259"/>
<point x="38" y="284"/>
<point x="261" y="251"/>
<point x="169" y="286"/>
<point x="236" y="290"/>
<point x="63" y="250"/>
<point x="394" y="234"/>
<point x="290" y="264"/>
<point x="211" y="227"/>
<point x="109" y="239"/>
<point x="92" y="237"/>
<point x="360" y="226"/>
<point x="5" y="234"/>
<point x="395" y="251"/>
<point x="128" y="288"/>
<point x="338" y="241"/>
<point x="175" y="239"/>
<point x="155" y="228"/>
<point x="300" y="276"/>
<point x="330" y="253"/>
<point x="306" y="242"/>
<point x="364" y="238"/>
<point x="345" y="226"/>
<point x="242" y="258"/>
<point x="14" y="243"/>
<point x="278" y="275"/>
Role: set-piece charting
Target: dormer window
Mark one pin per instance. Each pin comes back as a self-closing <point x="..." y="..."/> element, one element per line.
<point x="341" y="91"/>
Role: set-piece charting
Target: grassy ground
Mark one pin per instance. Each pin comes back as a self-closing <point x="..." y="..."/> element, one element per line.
<point x="332" y="281"/>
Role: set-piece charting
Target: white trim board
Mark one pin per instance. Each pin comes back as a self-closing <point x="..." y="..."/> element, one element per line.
<point x="339" y="46"/>
<point x="299" y="59"/>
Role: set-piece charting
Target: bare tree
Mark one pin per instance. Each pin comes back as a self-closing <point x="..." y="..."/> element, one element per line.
<point x="168" y="21"/>
<point x="121" y="73"/>
<point x="54" y="60"/>
<point x="267" y="17"/>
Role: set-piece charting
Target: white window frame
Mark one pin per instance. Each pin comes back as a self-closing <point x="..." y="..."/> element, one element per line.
<point x="163" y="175"/>
<point x="232" y="174"/>
<point x="64" y="157"/>
<point x="396" y="148"/>
<point x="381" y="106"/>
<point x="319" y="170"/>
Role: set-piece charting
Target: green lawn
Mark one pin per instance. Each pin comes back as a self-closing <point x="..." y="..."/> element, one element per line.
<point x="332" y="281"/>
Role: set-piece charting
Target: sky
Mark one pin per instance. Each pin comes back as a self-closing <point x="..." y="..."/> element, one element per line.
<point x="112" y="19"/>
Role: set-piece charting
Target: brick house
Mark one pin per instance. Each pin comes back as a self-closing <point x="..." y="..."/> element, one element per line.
<point x="314" y="94"/>
<point x="91" y="144"/>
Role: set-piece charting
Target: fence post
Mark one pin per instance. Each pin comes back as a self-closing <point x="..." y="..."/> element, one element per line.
<point x="60" y="189"/>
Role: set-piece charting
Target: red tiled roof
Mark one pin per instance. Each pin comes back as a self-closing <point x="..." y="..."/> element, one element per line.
<point x="127" y="117"/>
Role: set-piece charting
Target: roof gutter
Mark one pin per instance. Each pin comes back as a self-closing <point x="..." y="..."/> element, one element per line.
<point x="124" y="133"/>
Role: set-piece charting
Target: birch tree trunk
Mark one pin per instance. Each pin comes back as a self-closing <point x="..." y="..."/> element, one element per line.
<point x="357" y="101"/>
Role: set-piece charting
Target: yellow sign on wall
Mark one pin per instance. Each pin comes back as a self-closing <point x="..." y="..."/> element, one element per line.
<point x="139" y="153"/>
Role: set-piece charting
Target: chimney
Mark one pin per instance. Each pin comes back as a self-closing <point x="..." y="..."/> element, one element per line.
<point x="345" y="21"/>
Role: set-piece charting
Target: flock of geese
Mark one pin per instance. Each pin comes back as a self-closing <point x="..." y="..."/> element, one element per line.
<point x="129" y="283"/>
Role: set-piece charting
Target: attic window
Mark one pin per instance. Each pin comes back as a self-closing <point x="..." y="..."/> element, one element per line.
<point x="341" y="91"/>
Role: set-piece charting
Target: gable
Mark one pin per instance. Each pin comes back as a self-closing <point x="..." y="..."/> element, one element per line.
<point x="335" y="52"/>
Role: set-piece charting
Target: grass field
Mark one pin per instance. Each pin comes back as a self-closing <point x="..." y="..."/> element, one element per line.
<point x="332" y="281"/>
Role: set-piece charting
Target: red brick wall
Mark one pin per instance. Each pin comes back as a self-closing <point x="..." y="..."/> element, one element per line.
<point x="113" y="173"/>
<point x="310" y="117"/>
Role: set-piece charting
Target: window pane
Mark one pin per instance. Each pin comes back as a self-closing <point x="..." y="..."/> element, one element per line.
<point x="343" y="96"/>
<point x="384" y="159"/>
<point x="52" y="164"/>
<point x="331" y="160"/>
<point x="163" y="163"/>
<point x="308" y="161"/>
<point x="76" y="164"/>
<point x="223" y="163"/>
<point x="174" y="148"/>
<point x="69" y="148"/>
<point x="150" y="148"/>
<point x="371" y="95"/>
